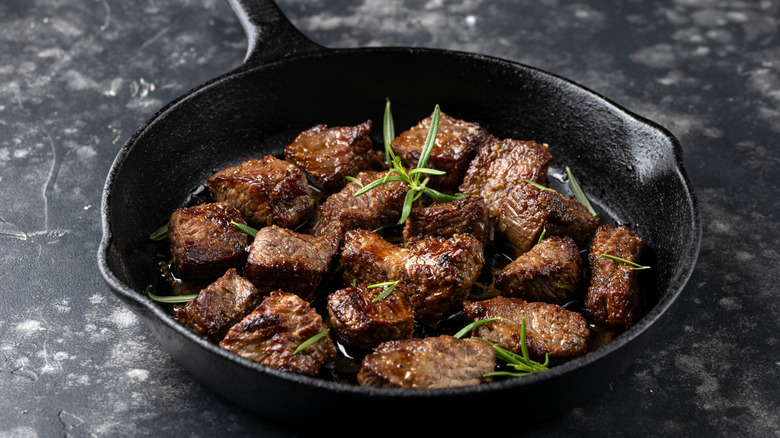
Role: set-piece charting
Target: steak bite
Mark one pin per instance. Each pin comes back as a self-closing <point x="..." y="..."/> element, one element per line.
<point x="435" y="362"/>
<point x="266" y="191"/>
<point x="550" y="329"/>
<point x="343" y="211"/>
<point x="551" y="272"/>
<point x="327" y="155"/>
<point x="528" y="210"/>
<point x="613" y="297"/>
<point x="280" y="258"/>
<point x="445" y="219"/>
<point x="219" y="306"/>
<point x="363" y="323"/>
<point x="501" y="166"/>
<point x="434" y="274"/>
<point x="271" y="333"/>
<point x="203" y="243"/>
<point x="457" y="142"/>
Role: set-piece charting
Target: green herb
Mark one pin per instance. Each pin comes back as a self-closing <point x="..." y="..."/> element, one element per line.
<point x="414" y="177"/>
<point x="172" y="299"/>
<point x="390" y="285"/>
<point x="578" y="193"/>
<point x="388" y="131"/>
<point x="160" y="233"/>
<point x="465" y="330"/>
<point x="541" y="236"/>
<point x="635" y="266"/>
<point x="537" y="185"/>
<point x="523" y="364"/>
<point x="245" y="228"/>
<point x="311" y="340"/>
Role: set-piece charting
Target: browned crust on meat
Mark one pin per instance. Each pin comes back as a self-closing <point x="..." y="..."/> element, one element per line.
<point x="463" y="216"/>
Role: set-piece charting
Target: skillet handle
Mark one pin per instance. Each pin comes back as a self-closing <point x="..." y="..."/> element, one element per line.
<point x="270" y="34"/>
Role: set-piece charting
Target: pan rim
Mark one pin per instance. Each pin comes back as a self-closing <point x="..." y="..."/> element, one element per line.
<point x="679" y="277"/>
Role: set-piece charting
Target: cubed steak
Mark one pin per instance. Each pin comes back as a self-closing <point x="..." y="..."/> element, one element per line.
<point x="436" y="275"/>
<point x="613" y="299"/>
<point x="551" y="272"/>
<point x="529" y="210"/>
<point x="457" y="142"/>
<point x="280" y="258"/>
<point x="445" y="219"/>
<point x="550" y="329"/>
<point x="328" y="154"/>
<point x="275" y="329"/>
<point x="434" y="362"/>
<point x="501" y="166"/>
<point x="219" y="306"/>
<point x="363" y="323"/>
<point x="202" y="241"/>
<point x="343" y="211"/>
<point x="266" y="191"/>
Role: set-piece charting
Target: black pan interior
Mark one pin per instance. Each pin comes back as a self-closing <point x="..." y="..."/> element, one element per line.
<point x="631" y="169"/>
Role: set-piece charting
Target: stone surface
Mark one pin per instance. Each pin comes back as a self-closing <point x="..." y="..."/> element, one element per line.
<point x="77" y="79"/>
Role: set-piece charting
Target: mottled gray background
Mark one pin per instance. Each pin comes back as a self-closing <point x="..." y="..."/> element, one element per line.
<point x="78" y="77"/>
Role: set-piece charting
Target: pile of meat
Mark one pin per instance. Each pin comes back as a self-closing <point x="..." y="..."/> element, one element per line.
<point x="318" y="249"/>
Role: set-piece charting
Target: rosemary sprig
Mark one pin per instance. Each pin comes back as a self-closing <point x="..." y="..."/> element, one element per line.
<point x="541" y="235"/>
<point x="522" y="363"/>
<point x="311" y="340"/>
<point x="389" y="286"/>
<point x="537" y="185"/>
<point x="578" y="193"/>
<point x="465" y="330"/>
<point x="160" y="233"/>
<point x="634" y="266"/>
<point x="245" y="228"/>
<point x="172" y="299"/>
<point x="416" y="178"/>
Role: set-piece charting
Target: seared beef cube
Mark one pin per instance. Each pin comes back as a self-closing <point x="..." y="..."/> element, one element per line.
<point x="613" y="298"/>
<point x="462" y="216"/>
<point x="330" y="154"/>
<point x="343" y="211"/>
<point x="280" y="258"/>
<point x="271" y="333"/>
<point x="219" y="306"/>
<point x="202" y="241"/>
<point x="457" y="142"/>
<point x="435" y="274"/>
<point x="434" y="362"/>
<point x="550" y="329"/>
<point x="528" y="210"/>
<point x="501" y="166"/>
<point x="365" y="324"/>
<point x="552" y="272"/>
<point x="266" y="191"/>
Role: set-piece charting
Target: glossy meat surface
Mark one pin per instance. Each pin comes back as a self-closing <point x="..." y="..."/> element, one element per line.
<point x="363" y="323"/>
<point x="462" y="216"/>
<point x="550" y="329"/>
<point x="434" y="362"/>
<point x="552" y="271"/>
<point x="613" y="298"/>
<point x="219" y="306"/>
<point x="328" y="154"/>
<point x="271" y="333"/>
<point x="203" y="243"/>
<point x="280" y="258"/>
<point x="457" y="142"/>
<point x="266" y="191"/>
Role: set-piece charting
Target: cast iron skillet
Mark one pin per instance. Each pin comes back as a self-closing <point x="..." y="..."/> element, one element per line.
<point x="631" y="168"/>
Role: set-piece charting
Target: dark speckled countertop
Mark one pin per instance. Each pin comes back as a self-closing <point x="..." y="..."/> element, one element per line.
<point x="78" y="78"/>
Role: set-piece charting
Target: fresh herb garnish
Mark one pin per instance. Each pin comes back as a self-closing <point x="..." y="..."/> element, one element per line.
<point x="578" y="193"/>
<point x="522" y="363"/>
<point x="311" y="340"/>
<point x="537" y="185"/>
<point x="245" y="228"/>
<point x="413" y="178"/>
<point x="389" y="286"/>
<point x="634" y="266"/>
<point x="160" y="233"/>
<point x="541" y="235"/>
<point x="171" y="299"/>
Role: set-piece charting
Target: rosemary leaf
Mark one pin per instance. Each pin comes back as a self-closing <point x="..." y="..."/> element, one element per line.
<point x="465" y="330"/>
<point x="172" y="299"/>
<point x="430" y="140"/>
<point x="245" y="228"/>
<point x="635" y="266"/>
<point x="388" y="131"/>
<point x="537" y="185"/>
<point x="160" y="233"/>
<point x="541" y="235"/>
<point x="389" y="286"/>
<point x="311" y="340"/>
<point x="578" y="193"/>
<point x="354" y="180"/>
<point x="443" y="197"/>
